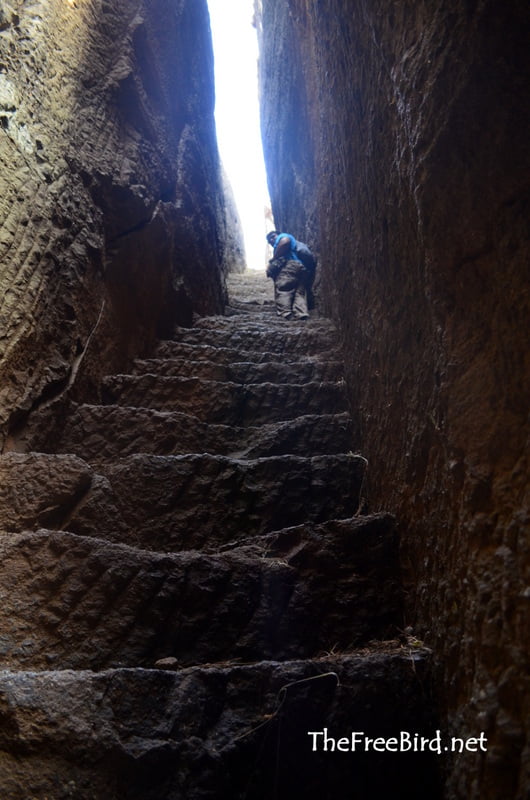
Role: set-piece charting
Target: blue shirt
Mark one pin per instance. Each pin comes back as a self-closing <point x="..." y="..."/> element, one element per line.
<point x="291" y="254"/>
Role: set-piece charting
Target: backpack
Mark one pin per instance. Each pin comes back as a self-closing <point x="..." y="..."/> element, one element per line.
<point x="306" y="257"/>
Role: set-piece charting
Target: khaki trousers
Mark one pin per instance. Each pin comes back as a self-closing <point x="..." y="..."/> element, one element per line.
<point x="290" y="292"/>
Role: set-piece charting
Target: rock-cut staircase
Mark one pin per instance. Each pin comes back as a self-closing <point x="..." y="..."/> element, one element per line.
<point x="188" y="589"/>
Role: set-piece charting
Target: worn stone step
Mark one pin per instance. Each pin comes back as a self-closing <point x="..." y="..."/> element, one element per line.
<point x="256" y="309"/>
<point x="223" y="402"/>
<point x="199" y="501"/>
<point x="288" y="340"/>
<point x="314" y="370"/>
<point x="219" y="732"/>
<point x="97" y="433"/>
<point x="265" y="308"/>
<point x="225" y="355"/>
<point x="250" y="285"/>
<point x="78" y="602"/>
<point x="171" y="503"/>
<point x="257" y="323"/>
<point x="250" y="277"/>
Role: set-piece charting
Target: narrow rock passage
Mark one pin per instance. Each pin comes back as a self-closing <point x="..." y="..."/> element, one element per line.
<point x="188" y="589"/>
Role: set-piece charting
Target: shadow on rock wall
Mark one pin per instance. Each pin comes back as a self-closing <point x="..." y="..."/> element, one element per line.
<point x="419" y="169"/>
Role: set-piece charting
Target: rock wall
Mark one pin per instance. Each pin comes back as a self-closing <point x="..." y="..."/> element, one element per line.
<point x="235" y="248"/>
<point x="111" y="206"/>
<point x="396" y="137"/>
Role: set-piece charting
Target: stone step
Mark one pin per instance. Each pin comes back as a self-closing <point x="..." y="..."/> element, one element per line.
<point x="250" y="277"/>
<point x="242" y="372"/>
<point x="219" y="732"/>
<point x="225" y="355"/>
<point x="172" y="503"/>
<point x="98" y="433"/>
<point x="252" y="284"/>
<point x="75" y="602"/>
<point x="256" y="309"/>
<point x="288" y="340"/>
<point x="256" y="280"/>
<point x="200" y="501"/>
<point x="266" y="309"/>
<point x="263" y="323"/>
<point x="223" y="402"/>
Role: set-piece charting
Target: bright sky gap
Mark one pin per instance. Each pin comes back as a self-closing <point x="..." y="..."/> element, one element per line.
<point x="237" y="118"/>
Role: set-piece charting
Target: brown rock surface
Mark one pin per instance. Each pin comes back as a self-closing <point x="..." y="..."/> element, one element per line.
<point x="41" y="490"/>
<point x="188" y="619"/>
<point x="218" y="401"/>
<point x="151" y="734"/>
<point x="180" y="502"/>
<point x="111" y="204"/>
<point x="396" y="138"/>
<point x="245" y="372"/>
<point x="76" y="602"/>
<point x="112" y="432"/>
<point x="283" y="340"/>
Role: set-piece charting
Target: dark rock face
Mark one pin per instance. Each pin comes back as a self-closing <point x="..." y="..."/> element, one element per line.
<point x="76" y="602"/>
<point x="111" y="199"/>
<point x="400" y="133"/>
<point x="174" y="504"/>
<point x="174" y="625"/>
<point x="227" y="732"/>
<point x="110" y="432"/>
